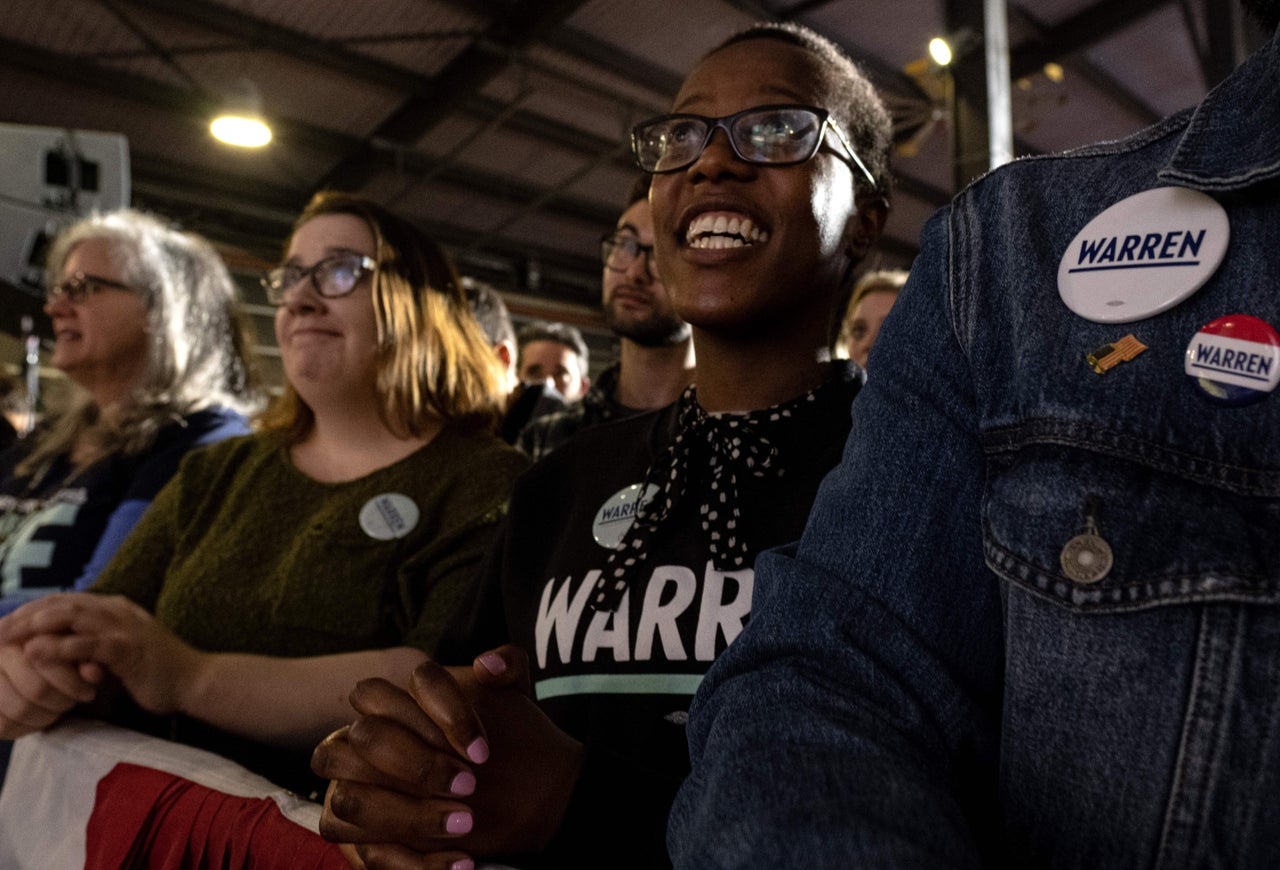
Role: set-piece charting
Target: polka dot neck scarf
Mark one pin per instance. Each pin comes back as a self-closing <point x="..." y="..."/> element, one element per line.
<point x="726" y="448"/>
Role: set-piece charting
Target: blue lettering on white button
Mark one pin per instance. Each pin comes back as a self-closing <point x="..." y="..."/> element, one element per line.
<point x="1234" y="360"/>
<point x="388" y="516"/>
<point x="618" y="513"/>
<point x="1143" y="255"/>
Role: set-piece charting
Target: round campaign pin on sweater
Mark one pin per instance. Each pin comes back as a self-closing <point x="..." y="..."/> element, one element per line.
<point x="1235" y="360"/>
<point x="618" y="514"/>
<point x="388" y="516"/>
<point x="1143" y="255"/>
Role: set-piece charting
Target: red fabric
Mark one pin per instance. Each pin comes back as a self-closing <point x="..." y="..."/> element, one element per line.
<point x="147" y="819"/>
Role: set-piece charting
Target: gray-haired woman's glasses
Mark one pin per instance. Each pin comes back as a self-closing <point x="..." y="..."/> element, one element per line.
<point x="80" y="286"/>
<point x="331" y="277"/>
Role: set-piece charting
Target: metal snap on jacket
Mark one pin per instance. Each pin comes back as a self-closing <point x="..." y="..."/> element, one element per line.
<point x="1086" y="558"/>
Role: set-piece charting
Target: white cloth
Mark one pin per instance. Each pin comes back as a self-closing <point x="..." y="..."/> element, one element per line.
<point x="51" y="786"/>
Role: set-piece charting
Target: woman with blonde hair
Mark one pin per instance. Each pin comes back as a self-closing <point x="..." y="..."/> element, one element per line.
<point x="333" y="545"/>
<point x="869" y="303"/>
<point x="147" y="330"/>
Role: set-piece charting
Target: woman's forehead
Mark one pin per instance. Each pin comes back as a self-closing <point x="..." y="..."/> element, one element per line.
<point x="753" y="72"/>
<point x="337" y="229"/>
<point x="94" y="254"/>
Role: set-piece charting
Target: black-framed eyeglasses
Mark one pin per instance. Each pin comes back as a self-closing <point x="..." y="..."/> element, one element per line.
<point x="775" y="135"/>
<point x="332" y="277"/>
<point x="80" y="286"/>
<point x="618" y="251"/>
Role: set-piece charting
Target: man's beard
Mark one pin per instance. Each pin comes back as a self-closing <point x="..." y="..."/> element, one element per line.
<point x="656" y="330"/>
<point x="1265" y="11"/>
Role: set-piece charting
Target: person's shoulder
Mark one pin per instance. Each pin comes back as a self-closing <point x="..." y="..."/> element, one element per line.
<point x="1150" y="146"/>
<point x="199" y="428"/>
<point x="209" y="458"/>
<point x="609" y="442"/>
<point x="173" y="446"/>
<point x="544" y="434"/>
<point x="475" y="452"/>
<point x="571" y="415"/>
<point x="215" y="423"/>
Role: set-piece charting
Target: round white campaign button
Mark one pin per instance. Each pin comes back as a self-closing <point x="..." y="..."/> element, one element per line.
<point x="388" y="516"/>
<point x="1143" y="255"/>
<point x="618" y="513"/>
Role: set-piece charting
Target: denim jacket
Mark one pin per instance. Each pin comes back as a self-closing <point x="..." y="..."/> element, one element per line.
<point x="921" y="684"/>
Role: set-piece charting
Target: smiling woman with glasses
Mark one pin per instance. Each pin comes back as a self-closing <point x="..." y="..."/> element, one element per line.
<point x="332" y="277"/>
<point x="627" y="567"/>
<point x="329" y="546"/>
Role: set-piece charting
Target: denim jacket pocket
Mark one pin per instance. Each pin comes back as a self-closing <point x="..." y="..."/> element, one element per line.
<point x="1177" y="528"/>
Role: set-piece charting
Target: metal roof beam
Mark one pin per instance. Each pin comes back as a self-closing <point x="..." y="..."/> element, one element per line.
<point x="466" y="74"/>
<point x="195" y="108"/>
<point x="261" y="34"/>
<point x="1088" y="70"/>
<point x="1077" y="32"/>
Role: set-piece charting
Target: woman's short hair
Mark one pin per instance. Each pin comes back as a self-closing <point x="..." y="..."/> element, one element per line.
<point x="851" y="98"/>
<point x="434" y="364"/>
<point x="199" y="349"/>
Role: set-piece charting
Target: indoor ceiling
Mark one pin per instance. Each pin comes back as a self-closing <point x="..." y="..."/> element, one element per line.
<point x="502" y="125"/>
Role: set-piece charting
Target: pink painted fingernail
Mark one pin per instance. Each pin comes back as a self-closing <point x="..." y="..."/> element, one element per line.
<point x="494" y="663"/>
<point x="478" y="751"/>
<point x="463" y="864"/>
<point x="458" y="823"/>
<point x="463" y="784"/>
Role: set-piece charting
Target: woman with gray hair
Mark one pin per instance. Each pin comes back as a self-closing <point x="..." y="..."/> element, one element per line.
<point x="146" y="328"/>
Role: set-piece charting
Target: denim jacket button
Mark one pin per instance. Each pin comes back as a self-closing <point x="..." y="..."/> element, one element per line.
<point x="1086" y="558"/>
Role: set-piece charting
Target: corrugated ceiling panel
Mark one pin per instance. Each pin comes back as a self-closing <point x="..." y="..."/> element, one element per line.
<point x="68" y="27"/>
<point x="293" y="89"/>
<point x="879" y="28"/>
<point x="528" y="160"/>
<point x="538" y="229"/>
<point x="424" y="53"/>
<point x="672" y="34"/>
<point x="1061" y="117"/>
<point x="340" y="19"/>
<point x="606" y="184"/>
<point x="1155" y="60"/>
<point x="592" y="80"/>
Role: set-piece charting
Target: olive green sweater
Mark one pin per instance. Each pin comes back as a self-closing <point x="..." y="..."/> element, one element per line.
<point x="241" y="552"/>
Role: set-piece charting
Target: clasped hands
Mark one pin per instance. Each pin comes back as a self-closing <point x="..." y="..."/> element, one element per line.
<point x="55" y="651"/>
<point x="462" y="764"/>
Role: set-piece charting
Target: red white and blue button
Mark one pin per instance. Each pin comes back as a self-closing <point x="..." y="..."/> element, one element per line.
<point x="1235" y="360"/>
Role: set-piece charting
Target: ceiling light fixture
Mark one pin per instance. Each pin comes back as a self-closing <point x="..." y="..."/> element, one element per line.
<point x="952" y="47"/>
<point x="240" y="123"/>
<point x="940" y="51"/>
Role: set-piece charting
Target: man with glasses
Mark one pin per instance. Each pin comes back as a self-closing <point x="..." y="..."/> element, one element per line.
<point x="655" y="360"/>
